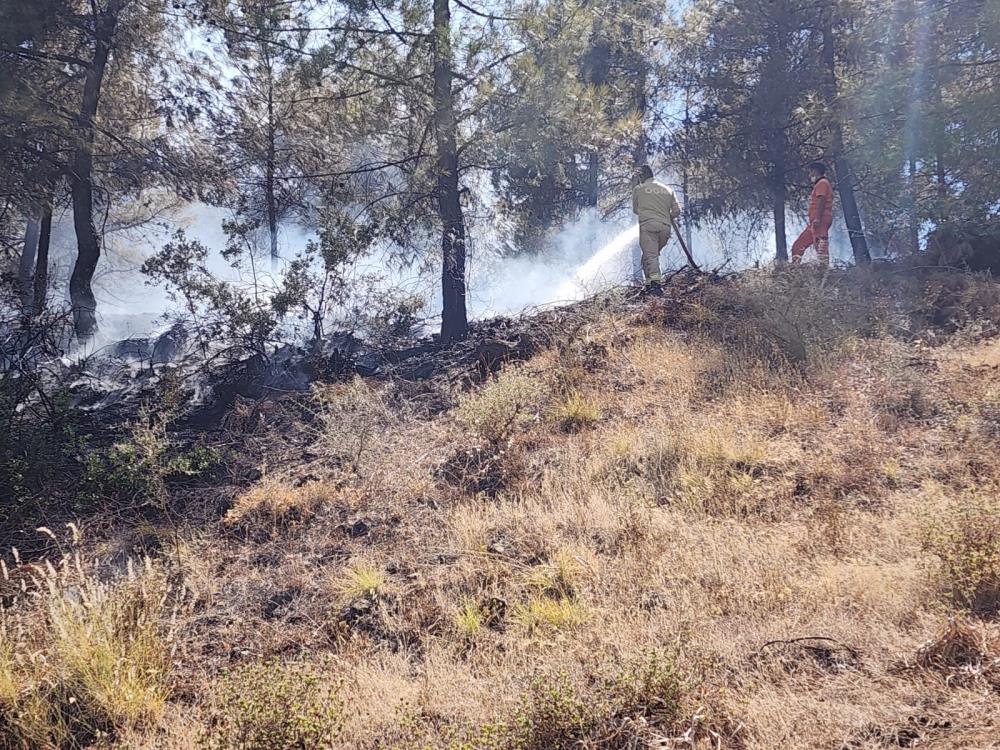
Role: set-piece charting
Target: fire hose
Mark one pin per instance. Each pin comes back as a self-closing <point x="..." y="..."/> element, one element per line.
<point x="684" y="247"/>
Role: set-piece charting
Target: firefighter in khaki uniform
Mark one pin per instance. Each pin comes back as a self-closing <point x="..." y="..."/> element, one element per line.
<point x="656" y="207"/>
<point x="820" y="217"/>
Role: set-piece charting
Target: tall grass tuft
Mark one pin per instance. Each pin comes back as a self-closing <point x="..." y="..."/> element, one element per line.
<point x="84" y="658"/>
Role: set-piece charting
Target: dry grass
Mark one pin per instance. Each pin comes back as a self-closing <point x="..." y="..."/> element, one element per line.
<point x="274" y="504"/>
<point x="714" y="533"/>
<point x="83" y="658"/>
<point x="362" y="582"/>
<point x="575" y="412"/>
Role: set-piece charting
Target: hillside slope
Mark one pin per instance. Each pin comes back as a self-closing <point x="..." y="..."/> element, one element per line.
<point x="752" y="513"/>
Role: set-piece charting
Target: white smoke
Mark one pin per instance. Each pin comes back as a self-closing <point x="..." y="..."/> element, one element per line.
<point x="583" y="257"/>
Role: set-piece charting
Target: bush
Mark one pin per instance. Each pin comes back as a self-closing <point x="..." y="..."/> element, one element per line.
<point x="274" y="706"/>
<point x="40" y="433"/>
<point x="967" y="541"/>
<point x="498" y="409"/>
<point x="783" y="322"/>
<point x="124" y="473"/>
<point x="483" y="470"/>
<point x="635" y="707"/>
<point x="352" y="417"/>
<point x="555" y="715"/>
<point x="138" y="469"/>
<point x="552" y="716"/>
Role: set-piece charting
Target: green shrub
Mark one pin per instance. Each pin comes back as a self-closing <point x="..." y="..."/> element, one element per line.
<point x="273" y="706"/>
<point x="136" y="470"/>
<point x="554" y="715"/>
<point x="498" y="409"/>
<point x="123" y="472"/>
<point x="967" y="541"/>
<point x="195" y="462"/>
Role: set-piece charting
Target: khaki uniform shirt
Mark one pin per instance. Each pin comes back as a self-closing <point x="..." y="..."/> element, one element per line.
<point x="654" y="201"/>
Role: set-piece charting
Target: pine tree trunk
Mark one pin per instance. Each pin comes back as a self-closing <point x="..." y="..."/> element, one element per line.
<point x="593" y="175"/>
<point x="81" y="180"/>
<point x="938" y="123"/>
<point x="41" y="280"/>
<point x="269" y="176"/>
<point x="911" y="207"/>
<point x="686" y="186"/>
<point x="454" y="317"/>
<point x="596" y="68"/>
<point x="272" y="212"/>
<point x="841" y="164"/>
<point x="852" y="215"/>
<point x="776" y="71"/>
<point x="686" y="214"/>
<point x="642" y="142"/>
<point x="26" y="267"/>
<point x="779" y="195"/>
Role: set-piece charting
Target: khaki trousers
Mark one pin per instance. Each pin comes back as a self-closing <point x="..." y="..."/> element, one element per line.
<point x="653" y="237"/>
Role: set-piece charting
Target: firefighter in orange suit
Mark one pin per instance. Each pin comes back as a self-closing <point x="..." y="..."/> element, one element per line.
<point x="820" y="217"/>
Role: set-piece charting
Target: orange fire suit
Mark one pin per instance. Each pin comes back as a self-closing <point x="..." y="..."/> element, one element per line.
<point x="818" y="231"/>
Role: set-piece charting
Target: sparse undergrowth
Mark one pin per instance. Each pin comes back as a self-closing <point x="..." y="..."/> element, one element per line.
<point x="273" y="705"/>
<point x="966" y="538"/>
<point x="760" y="514"/>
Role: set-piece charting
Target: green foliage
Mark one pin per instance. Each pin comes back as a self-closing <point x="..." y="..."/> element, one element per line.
<point x="137" y="470"/>
<point x="242" y="320"/>
<point x="39" y="439"/>
<point x="40" y="433"/>
<point x="553" y="716"/>
<point x="967" y="541"/>
<point x="195" y="462"/>
<point x="124" y="473"/>
<point x="756" y="98"/>
<point x="390" y="318"/>
<point x="274" y="706"/>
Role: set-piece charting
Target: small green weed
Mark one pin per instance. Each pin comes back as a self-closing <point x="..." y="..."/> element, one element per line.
<point x="274" y="706"/>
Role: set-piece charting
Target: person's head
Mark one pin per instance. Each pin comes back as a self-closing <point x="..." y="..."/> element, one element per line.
<point x="645" y="173"/>
<point x="817" y="170"/>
